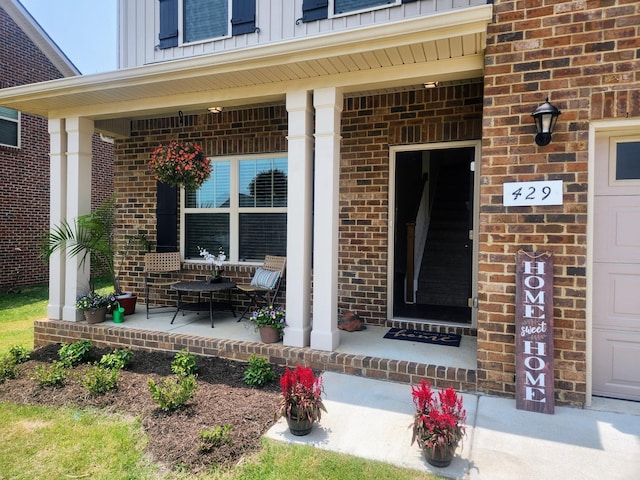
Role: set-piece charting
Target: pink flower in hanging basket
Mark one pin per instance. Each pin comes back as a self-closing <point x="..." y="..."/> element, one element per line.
<point x="180" y="165"/>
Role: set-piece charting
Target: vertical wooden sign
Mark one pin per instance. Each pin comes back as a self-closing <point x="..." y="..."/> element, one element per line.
<point x="534" y="332"/>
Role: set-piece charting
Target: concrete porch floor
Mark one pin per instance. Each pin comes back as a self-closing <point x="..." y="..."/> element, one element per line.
<point x="367" y="343"/>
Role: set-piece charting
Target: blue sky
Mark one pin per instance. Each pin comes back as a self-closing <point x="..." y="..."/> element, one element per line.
<point x="85" y="30"/>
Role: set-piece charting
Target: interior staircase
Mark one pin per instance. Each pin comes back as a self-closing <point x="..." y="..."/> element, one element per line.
<point x="445" y="271"/>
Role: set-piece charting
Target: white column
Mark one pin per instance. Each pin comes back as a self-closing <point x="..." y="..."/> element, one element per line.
<point x="79" y="133"/>
<point x="57" y="204"/>
<point x="299" y="215"/>
<point x="328" y="105"/>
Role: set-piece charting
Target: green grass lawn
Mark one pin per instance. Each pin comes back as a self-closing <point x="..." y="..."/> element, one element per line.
<point x="59" y="443"/>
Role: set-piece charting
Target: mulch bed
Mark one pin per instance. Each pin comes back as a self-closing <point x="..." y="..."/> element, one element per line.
<point x="222" y="398"/>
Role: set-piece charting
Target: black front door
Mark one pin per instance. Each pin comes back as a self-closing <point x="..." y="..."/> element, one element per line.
<point x="442" y="263"/>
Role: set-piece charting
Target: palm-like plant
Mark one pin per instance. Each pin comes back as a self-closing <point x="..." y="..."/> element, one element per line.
<point x="91" y="236"/>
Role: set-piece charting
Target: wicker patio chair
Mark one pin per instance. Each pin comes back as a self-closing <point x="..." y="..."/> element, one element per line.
<point x="265" y="284"/>
<point x="159" y="273"/>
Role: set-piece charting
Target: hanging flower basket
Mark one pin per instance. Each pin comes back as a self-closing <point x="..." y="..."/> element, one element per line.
<point x="180" y="165"/>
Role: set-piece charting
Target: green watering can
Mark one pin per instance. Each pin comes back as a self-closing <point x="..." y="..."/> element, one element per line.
<point x="118" y="314"/>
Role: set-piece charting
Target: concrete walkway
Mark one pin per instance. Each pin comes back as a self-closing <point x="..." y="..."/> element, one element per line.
<point x="371" y="419"/>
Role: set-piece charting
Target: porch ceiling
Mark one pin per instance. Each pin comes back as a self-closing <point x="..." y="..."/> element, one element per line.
<point x="440" y="47"/>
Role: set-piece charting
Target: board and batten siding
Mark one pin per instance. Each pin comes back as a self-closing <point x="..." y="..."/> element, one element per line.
<point x="276" y="19"/>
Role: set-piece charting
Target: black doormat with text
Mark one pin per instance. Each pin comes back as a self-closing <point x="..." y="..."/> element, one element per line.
<point x="449" y="339"/>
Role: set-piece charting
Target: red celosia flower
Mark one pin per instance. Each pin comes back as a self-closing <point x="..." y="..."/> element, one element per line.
<point x="439" y="420"/>
<point x="301" y="394"/>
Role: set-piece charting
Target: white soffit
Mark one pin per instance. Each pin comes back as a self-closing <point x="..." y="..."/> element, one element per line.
<point x="446" y="46"/>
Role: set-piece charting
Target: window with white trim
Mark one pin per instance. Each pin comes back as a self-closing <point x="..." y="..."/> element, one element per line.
<point x="241" y="208"/>
<point x="205" y="19"/>
<point x="9" y="127"/>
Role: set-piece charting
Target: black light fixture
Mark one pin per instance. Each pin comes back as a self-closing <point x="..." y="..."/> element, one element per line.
<point x="545" y="116"/>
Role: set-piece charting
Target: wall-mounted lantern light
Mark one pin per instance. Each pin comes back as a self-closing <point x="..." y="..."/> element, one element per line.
<point x="545" y="116"/>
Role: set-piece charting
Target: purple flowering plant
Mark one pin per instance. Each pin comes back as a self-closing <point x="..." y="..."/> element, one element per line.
<point x="93" y="300"/>
<point x="270" y="316"/>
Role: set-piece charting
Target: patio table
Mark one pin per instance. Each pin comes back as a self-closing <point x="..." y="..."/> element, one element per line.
<point x="201" y="286"/>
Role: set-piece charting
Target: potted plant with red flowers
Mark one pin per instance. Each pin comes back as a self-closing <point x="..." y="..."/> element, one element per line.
<point x="438" y="424"/>
<point x="301" y="402"/>
<point x="180" y="165"/>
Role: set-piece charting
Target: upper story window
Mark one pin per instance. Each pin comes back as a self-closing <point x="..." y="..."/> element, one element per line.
<point x="347" y="6"/>
<point x="204" y="19"/>
<point x="9" y="127"/>
<point x="200" y="20"/>
<point x="313" y="10"/>
<point x="241" y="208"/>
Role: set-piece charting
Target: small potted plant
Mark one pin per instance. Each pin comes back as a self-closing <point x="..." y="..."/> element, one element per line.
<point x="217" y="261"/>
<point x="180" y="165"/>
<point x="270" y="321"/>
<point x="94" y="306"/>
<point x="301" y="402"/>
<point x="438" y="424"/>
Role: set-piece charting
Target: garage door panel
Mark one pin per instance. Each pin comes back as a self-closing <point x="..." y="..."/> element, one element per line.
<point x="618" y="289"/>
<point x="619" y="372"/>
<point x="617" y="231"/>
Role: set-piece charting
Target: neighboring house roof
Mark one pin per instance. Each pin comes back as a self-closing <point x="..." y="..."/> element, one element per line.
<point x="441" y="47"/>
<point x="35" y="32"/>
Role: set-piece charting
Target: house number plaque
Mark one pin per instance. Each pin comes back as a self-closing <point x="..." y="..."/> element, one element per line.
<point x="520" y="194"/>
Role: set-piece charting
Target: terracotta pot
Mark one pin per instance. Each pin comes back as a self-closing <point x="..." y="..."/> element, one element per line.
<point x="128" y="302"/>
<point x="96" y="315"/>
<point x="440" y="457"/>
<point x="269" y="335"/>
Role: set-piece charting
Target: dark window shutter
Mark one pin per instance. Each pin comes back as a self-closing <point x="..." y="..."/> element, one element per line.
<point x="168" y="23"/>
<point x="243" y="17"/>
<point x="313" y="10"/>
<point x="167" y="218"/>
<point x="409" y="1"/>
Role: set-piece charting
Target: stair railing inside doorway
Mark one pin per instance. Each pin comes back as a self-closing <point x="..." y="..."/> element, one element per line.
<point x="416" y="240"/>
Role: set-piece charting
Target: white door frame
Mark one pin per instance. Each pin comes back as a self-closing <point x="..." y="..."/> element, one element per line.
<point x="393" y="151"/>
<point x="597" y="130"/>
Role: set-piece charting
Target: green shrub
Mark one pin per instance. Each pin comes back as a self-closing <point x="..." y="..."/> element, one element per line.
<point x="99" y="379"/>
<point x="210" y="439"/>
<point x="116" y="360"/>
<point x="52" y="375"/>
<point x="172" y="393"/>
<point x="75" y="353"/>
<point x="259" y="372"/>
<point x="19" y="353"/>
<point x="184" y="364"/>
<point x="8" y="367"/>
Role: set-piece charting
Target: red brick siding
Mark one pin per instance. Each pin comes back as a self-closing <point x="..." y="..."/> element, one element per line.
<point x="24" y="204"/>
<point x="585" y="57"/>
<point x="369" y="126"/>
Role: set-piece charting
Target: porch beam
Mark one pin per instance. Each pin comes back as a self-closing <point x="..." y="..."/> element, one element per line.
<point x="328" y="106"/>
<point x="299" y="215"/>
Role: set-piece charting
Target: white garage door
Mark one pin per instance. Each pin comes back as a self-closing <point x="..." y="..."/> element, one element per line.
<point x="616" y="269"/>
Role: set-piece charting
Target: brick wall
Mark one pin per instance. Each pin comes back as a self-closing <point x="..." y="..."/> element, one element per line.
<point x="584" y="56"/>
<point x="370" y="125"/>
<point x="24" y="202"/>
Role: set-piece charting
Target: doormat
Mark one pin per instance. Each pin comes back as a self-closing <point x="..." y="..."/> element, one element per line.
<point x="449" y="339"/>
